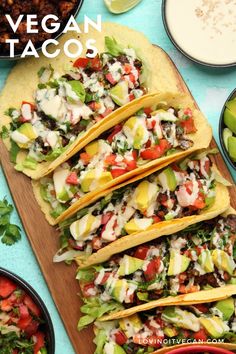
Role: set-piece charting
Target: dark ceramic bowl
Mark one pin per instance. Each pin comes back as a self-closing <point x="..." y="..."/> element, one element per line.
<point x="200" y="349"/>
<point x="221" y="128"/>
<point x="164" y="2"/>
<point x="56" y="35"/>
<point x="48" y="326"/>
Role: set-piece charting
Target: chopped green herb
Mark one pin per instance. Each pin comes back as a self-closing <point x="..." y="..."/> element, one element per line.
<point x="4" y="132"/>
<point x="9" y="233"/>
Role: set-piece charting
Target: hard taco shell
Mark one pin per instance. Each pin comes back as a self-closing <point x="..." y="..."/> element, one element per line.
<point x="23" y="80"/>
<point x="201" y="140"/>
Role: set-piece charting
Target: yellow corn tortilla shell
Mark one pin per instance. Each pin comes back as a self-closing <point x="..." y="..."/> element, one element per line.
<point x="220" y="205"/>
<point x="23" y="80"/>
<point x="199" y="297"/>
<point x="201" y="140"/>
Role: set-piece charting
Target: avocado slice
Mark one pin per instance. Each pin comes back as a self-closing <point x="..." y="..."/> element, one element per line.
<point x="129" y="265"/>
<point x="92" y="148"/>
<point x="81" y="228"/>
<point x="232" y="147"/>
<point x="230" y="120"/>
<point x="181" y="318"/>
<point x="120" y="93"/>
<point x="145" y="194"/>
<point x="129" y="324"/>
<point x="136" y="225"/>
<point x="223" y="261"/>
<point x="178" y="263"/>
<point x="205" y="261"/>
<point x="135" y="129"/>
<point x="90" y="176"/>
<point x="24" y="135"/>
<point x="170" y="332"/>
<point x="226" y="307"/>
<point x="118" y="289"/>
<point x="231" y="105"/>
<point x="167" y="179"/>
<point x="214" y="325"/>
<point x="226" y="134"/>
<point x="59" y="179"/>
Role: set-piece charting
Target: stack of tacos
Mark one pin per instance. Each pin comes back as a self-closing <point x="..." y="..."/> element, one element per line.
<point x="120" y="164"/>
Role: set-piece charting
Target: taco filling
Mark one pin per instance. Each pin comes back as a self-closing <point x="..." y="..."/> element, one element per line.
<point x="67" y="106"/>
<point x="148" y="135"/>
<point x="180" y="190"/>
<point x="199" y="257"/>
<point x="169" y="326"/>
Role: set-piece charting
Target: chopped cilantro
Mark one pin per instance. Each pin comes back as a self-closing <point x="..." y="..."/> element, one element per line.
<point x="4" y="132"/>
<point x="9" y="233"/>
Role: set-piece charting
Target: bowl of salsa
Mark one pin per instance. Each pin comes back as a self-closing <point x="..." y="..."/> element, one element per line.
<point x="25" y="324"/>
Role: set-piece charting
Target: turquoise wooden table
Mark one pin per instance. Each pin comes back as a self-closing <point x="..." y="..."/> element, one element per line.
<point x="210" y="88"/>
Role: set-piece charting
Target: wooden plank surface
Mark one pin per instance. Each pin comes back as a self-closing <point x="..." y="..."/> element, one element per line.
<point x="44" y="241"/>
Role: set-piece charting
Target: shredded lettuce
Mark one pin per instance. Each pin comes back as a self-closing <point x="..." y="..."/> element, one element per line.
<point x="78" y="88"/>
<point x="113" y="47"/>
<point x="30" y="163"/>
<point x="94" y="308"/>
<point x="66" y="256"/>
<point x="100" y="340"/>
<point x="14" y="150"/>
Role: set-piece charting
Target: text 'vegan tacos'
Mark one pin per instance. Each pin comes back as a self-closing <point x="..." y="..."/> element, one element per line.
<point x="161" y="128"/>
<point x="210" y="320"/>
<point x="53" y="107"/>
<point x="200" y="256"/>
<point x="158" y="204"/>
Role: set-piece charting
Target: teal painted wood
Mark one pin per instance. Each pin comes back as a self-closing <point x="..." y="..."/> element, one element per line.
<point x="210" y="87"/>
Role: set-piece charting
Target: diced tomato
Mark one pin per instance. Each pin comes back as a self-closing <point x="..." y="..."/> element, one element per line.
<point x="132" y="78"/>
<point x="24" y="312"/>
<point x="156" y="151"/>
<point x="111" y="79"/>
<point x="201" y="307"/>
<point x="147" y="110"/>
<point x="32" y="328"/>
<point x="15" y="351"/>
<point x="127" y="68"/>
<point x="185" y="290"/>
<point x="117" y="172"/>
<point x="72" y="179"/>
<point x="156" y="219"/>
<point x="115" y="131"/>
<point x="130" y="164"/>
<point x="150" y="154"/>
<point x="120" y="338"/>
<point x="141" y="252"/>
<point x="152" y="269"/>
<point x="148" y="144"/>
<point x="104" y="279"/>
<point x="106" y="217"/>
<point x="206" y="167"/>
<point x="199" y="202"/>
<point x="131" y="97"/>
<point x="89" y="290"/>
<point x="200" y="335"/>
<point x="6" y="287"/>
<point x="32" y="306"/>
<point x="160" y="322"/>
<point x="110" y="160"/>
<point x="188" y="112"/>
<point x="188" y="254"/>
<point x="96" y="243"/>
<point x="186" y="333"/>
<point x="8" y="303"/>
<point x="188" y="125"/>
<point x="108" y="111"/>
<point x="93" y="63"/>
<point x="39" y="341"/>
<point x="95" y="106"/>
<point x="85" y="158"/>
<point x="32" y="105"/>
<point x="23" y="323"/>
<point x="81" y="63"/>
<point x="182" y="277"/>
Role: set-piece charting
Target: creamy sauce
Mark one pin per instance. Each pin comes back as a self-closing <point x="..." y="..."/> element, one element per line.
<point x="204" y="29"/>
